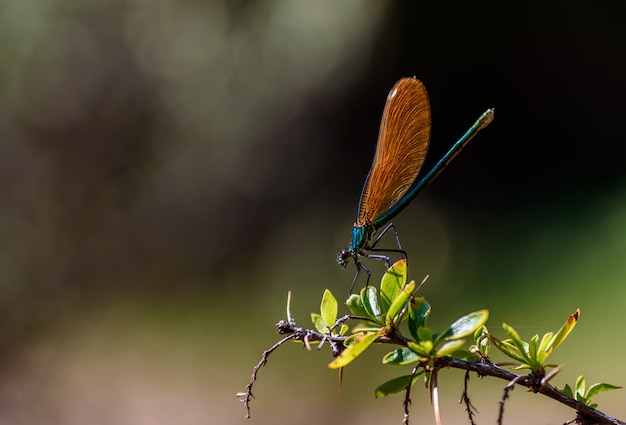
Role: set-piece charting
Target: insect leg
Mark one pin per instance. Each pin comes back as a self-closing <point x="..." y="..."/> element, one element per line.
<point x="388" y="227"/>
<point x="400" y="251"/>
<point x="380" y="257"/>
<point x="359" y="266"/>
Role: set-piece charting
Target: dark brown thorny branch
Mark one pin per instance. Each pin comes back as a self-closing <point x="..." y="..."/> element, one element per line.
<point x="585" y="415"/>
<point x="469" y="407"/>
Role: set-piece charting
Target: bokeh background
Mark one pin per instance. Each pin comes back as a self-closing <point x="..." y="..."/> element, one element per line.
<point x="170" y="169"/>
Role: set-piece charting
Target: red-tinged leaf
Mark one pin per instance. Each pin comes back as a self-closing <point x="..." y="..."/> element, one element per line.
<point x="563" y="332"/>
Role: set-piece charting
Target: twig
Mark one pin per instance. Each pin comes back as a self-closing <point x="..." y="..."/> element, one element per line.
<point x="585" y="414"/>
<point x="469" y="408"/>
<point x="247" y="395"/>
<point x="407" y="397"/>
<point x="510" y="386"/>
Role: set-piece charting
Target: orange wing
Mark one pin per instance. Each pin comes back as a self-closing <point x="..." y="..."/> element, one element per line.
<point x="402" y="145"/>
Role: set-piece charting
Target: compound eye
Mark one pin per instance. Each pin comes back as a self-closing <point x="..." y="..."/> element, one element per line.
<point x="343" y="258"/>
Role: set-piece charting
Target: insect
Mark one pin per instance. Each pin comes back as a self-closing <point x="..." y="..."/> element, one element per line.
<point x="403" y="141"/>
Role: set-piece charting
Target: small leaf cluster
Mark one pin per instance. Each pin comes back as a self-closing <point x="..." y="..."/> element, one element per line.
<point x="383" y="312"/>
<point x="326" y="321"/>
<point x="585" y="396"/>
<point x="534" y="353"/>
<point x="395" y="314"/>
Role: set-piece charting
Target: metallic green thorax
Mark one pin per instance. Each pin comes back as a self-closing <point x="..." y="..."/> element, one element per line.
<point x="362" y="235"/>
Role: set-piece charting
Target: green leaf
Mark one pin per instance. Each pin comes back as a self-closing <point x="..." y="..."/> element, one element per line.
<point x="351" y="339"/>
<point x="319" y="323"/>
<point x="563" y="332"/>
<point x="596" y="389"/>
<point x="344" y="329"/>
<point x="522" y="347"/>
<point x="481" y="341"/>
<point x="542" y="355"/>
<point x="532" y="350"/>
<point x="392" y="283"/>
<point x="328" y="308"/>
<point x="509" y="349"/>
<point x="419" y="310"/>
<point x="465" y="355"/>
<point x="355" y="305"/>
<point x="423" y="348"/>
<point x="369" y="296"/>
<point x="517" y="341"/>
<point x="424" y="334"/>
<point x="399" y="303"/>
<point x="465" y="326"/>
<point x="567" y="390"/>
<point x="401" y="356"/>
<point x="354" y="350"/>
<point x="365" y="328"/>
<point x="396" y="385"/>
<point x="580" y="385"/>
<point x="449" y="347"/>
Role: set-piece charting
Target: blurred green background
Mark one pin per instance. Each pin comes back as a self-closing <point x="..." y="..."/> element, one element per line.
<point x="170" y="169"/>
